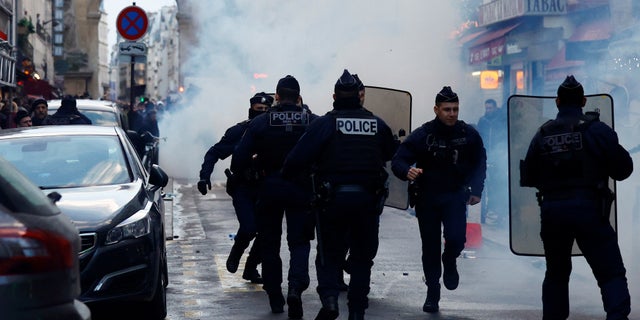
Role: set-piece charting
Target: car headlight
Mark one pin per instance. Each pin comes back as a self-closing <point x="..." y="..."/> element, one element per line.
<point x="136" y="226"/>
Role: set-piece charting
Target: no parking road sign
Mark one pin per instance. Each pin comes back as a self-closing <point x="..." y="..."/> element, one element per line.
<point x="132" y="23"/>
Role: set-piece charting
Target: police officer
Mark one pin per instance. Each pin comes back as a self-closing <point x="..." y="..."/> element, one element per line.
<point x="347" y="148"/>
<point x="262" y="149"/>
<point x="572" y="176"/>
<point x="241" y="188"/>
<point x="346" y="267"/>
<point x="449" y="173"/>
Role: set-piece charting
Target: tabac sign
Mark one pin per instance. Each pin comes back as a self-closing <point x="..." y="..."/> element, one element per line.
<point x="501" y="10"/>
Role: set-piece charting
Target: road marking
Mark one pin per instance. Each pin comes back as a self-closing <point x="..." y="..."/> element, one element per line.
<point x="233" y="282"/>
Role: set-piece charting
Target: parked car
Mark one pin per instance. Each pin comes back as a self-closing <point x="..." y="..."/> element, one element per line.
<point x="115" y="203"/>
<point x="107" y="113"/>
<point x="39" y="270"/>
<point x="100" y="112"/>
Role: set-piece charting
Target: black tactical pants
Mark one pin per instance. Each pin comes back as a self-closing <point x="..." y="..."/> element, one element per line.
<point x="440" y="213"/>
<point x="581" y="219"/>
<point x="353" y="215"/>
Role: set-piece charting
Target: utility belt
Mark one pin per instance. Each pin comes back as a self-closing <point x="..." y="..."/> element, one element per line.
<point x="351" y="188"/>
<point x="416" y="189"/>
<point x="603" y="195"/>
<point x="558" y="195"/>
<point x="325" y="191"/>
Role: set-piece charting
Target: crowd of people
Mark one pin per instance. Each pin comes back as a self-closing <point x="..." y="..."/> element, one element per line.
<point x="21" y="113"/>
<point x="325" y="175"/>
<point x="26" y="112"/>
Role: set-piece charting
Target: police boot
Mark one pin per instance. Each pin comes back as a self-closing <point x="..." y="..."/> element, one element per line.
<point x="329" y="310"/>
<point x="433" y="297"/>
<point x="239" y="244"/>
<point x="356" y="315"/>
<point x="450" y="276"/>
<point x="251" y="266"/>
<point x="276" y="301"/>
<point x="294" y="301"/>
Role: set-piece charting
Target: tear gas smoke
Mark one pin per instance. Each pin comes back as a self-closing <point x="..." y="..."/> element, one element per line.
<point x="403" y="45"/>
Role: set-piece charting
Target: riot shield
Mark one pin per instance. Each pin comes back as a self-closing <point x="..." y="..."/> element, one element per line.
<point x="394" y="107"/>
<point x="525" y="115"/>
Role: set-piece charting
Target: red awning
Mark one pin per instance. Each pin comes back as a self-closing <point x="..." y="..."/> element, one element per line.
<point x="559" y="61"/>
<point x="492" y="35"/>
<point x="594" y="30"/>
<point x="471" y="36"/>
<point x="489" y="45"/>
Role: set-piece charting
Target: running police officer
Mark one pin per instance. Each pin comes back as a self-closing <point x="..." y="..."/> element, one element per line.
<point x="341" y="283"/>
<point x="262" y="150"/>
<point x="241" y="188"/>
<point x="347" y="149"/>
<point x="449" y="173"/>
<point x="572" y="176"/>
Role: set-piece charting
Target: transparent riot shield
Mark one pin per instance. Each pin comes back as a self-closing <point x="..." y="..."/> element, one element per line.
<point x="394" y="107"/>
<point x="525" y="115"/>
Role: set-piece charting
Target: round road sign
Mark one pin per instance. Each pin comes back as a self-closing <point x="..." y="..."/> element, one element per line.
<point x="132" y="23"/>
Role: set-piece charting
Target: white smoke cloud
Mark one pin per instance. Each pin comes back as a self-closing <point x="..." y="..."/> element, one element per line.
<point x="403" y="45"/>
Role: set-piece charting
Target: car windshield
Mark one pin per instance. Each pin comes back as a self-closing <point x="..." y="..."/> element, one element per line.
<point x="69" y="161"/>
<point x="99" y="118"/>
<point x="20" y="195"/>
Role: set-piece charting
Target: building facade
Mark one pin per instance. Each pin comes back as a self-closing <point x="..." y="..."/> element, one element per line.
<point x="82" y="66"/>
<point x="528" y="46"/>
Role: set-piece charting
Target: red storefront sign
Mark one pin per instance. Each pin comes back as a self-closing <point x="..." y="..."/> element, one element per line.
<point x="487" y="51"/>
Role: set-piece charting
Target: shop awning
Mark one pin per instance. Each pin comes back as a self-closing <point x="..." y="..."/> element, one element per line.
<point x="559" y="67"/>
<point x="590" y="40"/>
<point x="594" y="30"/>
<point x="559" y="61"/>
<point x="470" y="37"/>
<point x="492" y="35"/>
<point x="489" y="45"/>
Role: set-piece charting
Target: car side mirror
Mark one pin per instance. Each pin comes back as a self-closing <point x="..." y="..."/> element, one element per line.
<point x="54" y="196"/>
<point x="158" y="177"/>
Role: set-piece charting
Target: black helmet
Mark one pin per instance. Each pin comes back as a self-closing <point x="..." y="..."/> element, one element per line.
<point x="261" y="98"/>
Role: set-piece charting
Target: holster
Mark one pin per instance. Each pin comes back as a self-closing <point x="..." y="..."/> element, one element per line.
<point x="383" y="194"/>
<point x="607" y="196"/>
<point x="231" y="182"/>
<point x="413" y="190"/>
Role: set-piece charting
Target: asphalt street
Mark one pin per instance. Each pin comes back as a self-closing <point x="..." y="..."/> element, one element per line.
<point x="495" y="284"/>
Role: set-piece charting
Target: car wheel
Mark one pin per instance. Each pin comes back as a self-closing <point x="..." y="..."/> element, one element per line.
<point x="157" y="307"/>
<point x="165" y="271"/>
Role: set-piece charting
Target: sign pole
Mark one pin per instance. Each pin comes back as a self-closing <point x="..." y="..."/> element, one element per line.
<point x="131" y="97"/>
<point x="132" y="23"/>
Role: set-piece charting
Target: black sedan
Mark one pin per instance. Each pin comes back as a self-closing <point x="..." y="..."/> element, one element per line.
<point x="115" y="203"/>
<point x="39" y="274"/>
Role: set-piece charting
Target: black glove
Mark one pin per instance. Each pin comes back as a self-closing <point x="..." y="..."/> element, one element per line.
<point x="203" y="184"/>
